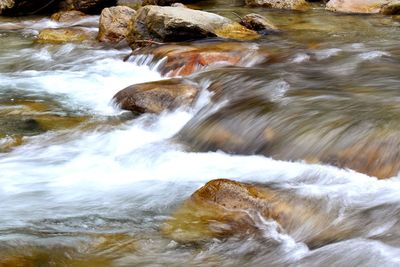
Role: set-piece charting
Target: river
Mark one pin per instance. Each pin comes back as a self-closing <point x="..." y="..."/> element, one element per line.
<point x="83" y="183"/>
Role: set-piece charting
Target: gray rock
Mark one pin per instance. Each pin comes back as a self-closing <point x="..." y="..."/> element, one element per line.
<point x="174" y="24"/>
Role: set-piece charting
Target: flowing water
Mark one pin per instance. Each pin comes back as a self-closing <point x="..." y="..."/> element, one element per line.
<point x="84" y="184"/>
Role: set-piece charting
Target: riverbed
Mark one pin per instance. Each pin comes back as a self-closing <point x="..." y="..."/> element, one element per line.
<point x="83" y="183"/>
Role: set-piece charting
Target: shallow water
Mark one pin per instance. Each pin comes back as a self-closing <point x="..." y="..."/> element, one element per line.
<point x="85" y="184"/>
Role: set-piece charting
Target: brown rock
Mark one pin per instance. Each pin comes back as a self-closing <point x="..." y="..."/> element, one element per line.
<point x="220" y="208"/>
<point x="114" y="22"/>
<point x="64" y="35"/>
<point x="156" y="97"/>
<point x="281" y="4"/>
<point x="68" y="16"/>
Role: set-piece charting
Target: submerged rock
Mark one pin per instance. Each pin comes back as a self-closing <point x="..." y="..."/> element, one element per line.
<point x="281" y="4"/>
<point x="222" y="208"/>
<point x="64" y="35"/>
<point x="114" y="22"/>
<point x="258" y="23"/>
<point x="68" y="16"/>
<point x="156" y="97"/>
<point x="93" y="6"/>
<point x="388" y="7"/>
<point x="174" y="24"/>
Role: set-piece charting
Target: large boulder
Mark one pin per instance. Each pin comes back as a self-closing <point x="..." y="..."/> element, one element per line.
<point x="93" y="6"/>
<point x="64" y="35"/>
<point x="156" y="97"/>
<point x="174" y="24"/>
<point x="113" y="23"/>
<point x="282" y="4"/>
<point x="23" y="7"/>
<point x="388" y="7"/>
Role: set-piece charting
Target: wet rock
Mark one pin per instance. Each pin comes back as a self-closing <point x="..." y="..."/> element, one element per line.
<point x="114" y="22"/>
<point x="93" y="6"/>
<point x="258" y="23"/>
<point x="388" y="7"/>
<point x="282" y="4"/>
<point x="174" y="24"/>
<point x="182" y="60"/>
<point x="64" y="35"/>
<point x="68" y="16"/>
<point x="156" y="97"/>
<point x="21" y="7"/>
<point x="220" y="208"/>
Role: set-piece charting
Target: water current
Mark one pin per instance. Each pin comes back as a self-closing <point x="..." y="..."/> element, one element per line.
<point x="83" y="183"/>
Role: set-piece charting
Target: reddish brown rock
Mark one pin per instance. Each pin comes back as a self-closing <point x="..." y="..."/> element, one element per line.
<point x="183" y="60"/>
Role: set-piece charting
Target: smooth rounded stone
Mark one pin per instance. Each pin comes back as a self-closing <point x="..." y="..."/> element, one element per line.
<point x="174" y="24"/>
<point x="64" y="35"/>
<point x="300" y="5"/>
<point x="68" y="16"/>
<point x="388" y="7"/>
<point x="113" y="23"/>
<point x="156" y="97"/>
<point x="258" y="23"/>
<point x="22" y="7"/>
<point x="93" y="6"/>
